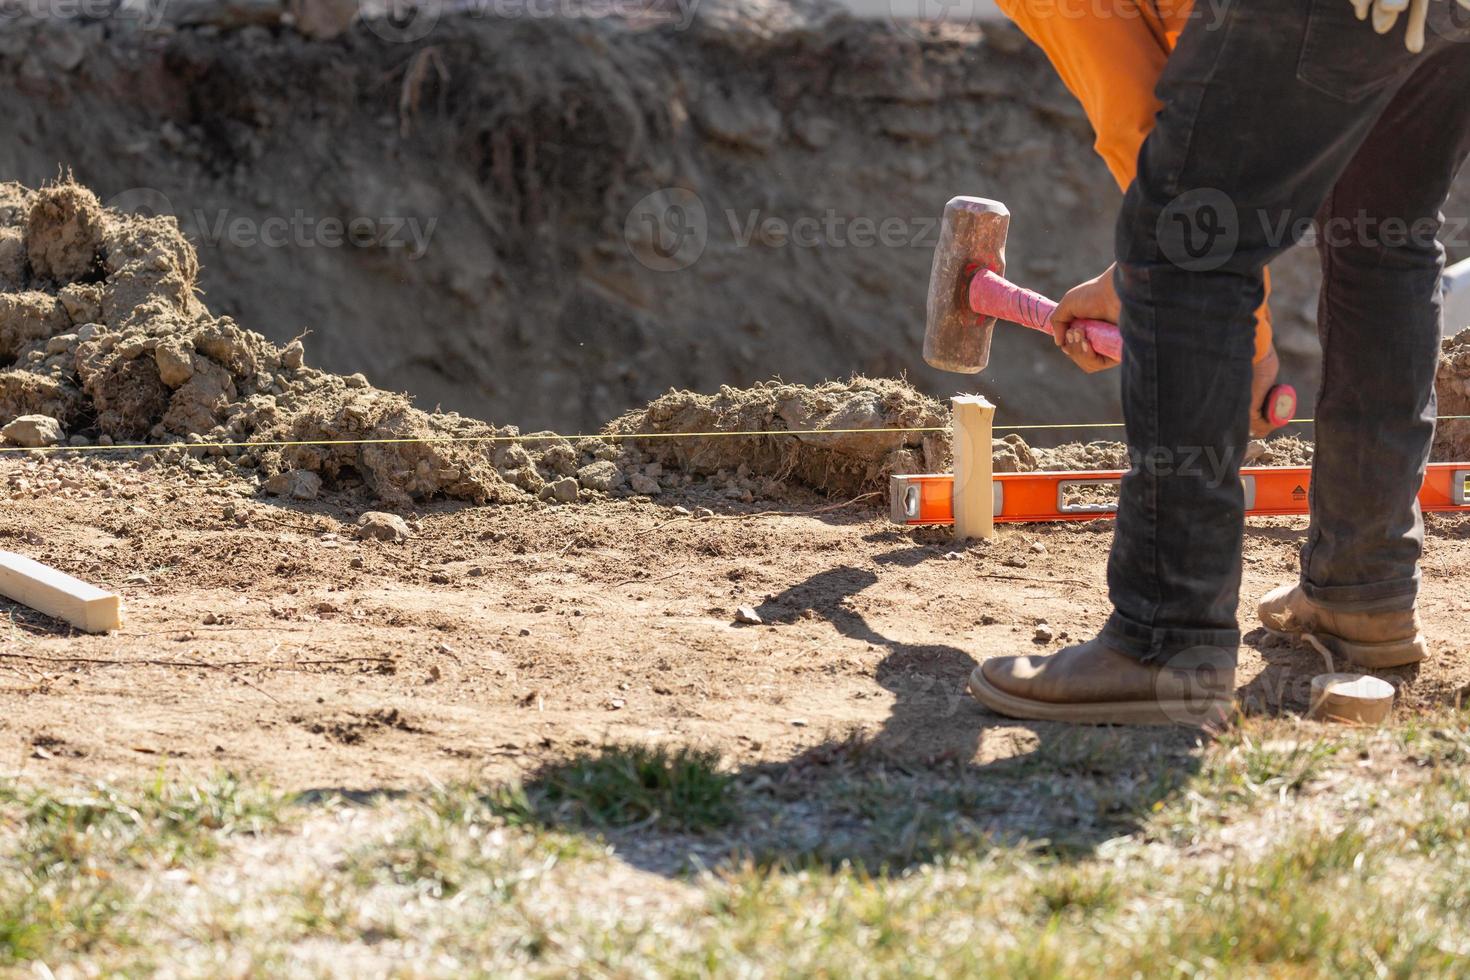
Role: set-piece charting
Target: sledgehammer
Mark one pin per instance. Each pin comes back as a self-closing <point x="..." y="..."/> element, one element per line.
<point x="968" y="292"/>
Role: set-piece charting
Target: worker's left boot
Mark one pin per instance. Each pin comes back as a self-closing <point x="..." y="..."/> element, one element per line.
<point x="1373" y="640"/>
<point x="1092" y="684"/>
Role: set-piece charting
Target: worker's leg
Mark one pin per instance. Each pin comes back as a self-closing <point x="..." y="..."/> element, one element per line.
<point x="1379" y="321"/>
<point x="1262" y="115"/>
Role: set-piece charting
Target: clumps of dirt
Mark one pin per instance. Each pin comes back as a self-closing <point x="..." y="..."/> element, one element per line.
<point x="101" y="329"/>
<point x="1452" y="384"/>
<point x="844" y="463"/>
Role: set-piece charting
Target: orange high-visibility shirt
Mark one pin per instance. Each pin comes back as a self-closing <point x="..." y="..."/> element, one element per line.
<point x="1110" y="54"/>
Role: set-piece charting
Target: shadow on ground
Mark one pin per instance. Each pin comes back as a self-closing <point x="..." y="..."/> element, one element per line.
<point x="941" y="776"/>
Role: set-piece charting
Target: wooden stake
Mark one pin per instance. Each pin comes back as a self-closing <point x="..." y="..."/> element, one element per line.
<point x="974" y="497"/>
<point x="1359" y="699"/>
<point x="57" y="594"/>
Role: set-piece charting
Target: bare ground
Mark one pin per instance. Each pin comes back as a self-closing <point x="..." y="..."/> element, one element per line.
<point x="265" y="639"/>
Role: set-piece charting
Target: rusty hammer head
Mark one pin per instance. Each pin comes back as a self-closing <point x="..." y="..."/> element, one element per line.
<point x="972" y="237"/>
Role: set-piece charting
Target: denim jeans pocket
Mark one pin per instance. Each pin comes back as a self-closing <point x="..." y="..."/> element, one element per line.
<point x="1346" y="58"/>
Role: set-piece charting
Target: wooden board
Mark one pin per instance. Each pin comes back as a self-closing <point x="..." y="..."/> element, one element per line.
<point x="974" y="500"/>
<point x="57" y="594"/>
<point x="1360" y="699"/>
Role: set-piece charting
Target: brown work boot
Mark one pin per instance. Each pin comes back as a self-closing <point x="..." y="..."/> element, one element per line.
<point x="1091" y="684"/>
<point x="1373" y="640"/>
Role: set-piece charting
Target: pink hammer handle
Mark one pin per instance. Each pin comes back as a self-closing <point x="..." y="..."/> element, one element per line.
<point x="995" y="296"/>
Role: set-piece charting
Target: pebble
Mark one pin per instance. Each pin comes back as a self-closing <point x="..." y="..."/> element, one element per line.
<point x="747" y="615"/>
<point x="1043" y="633"/>
<point x="564" y="491"/>
<point x="295" y="484"/>
<point x="1038" y="547"/>
<point x="32" y="431"/>
<point x="384" y="527"/>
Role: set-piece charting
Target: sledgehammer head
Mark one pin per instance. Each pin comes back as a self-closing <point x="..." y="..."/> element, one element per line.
<point x="971" y="238"/>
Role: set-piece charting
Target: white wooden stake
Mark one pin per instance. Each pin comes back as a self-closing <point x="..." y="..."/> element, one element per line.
<point x="974" y="498"/>
<point x="57" y="594"/>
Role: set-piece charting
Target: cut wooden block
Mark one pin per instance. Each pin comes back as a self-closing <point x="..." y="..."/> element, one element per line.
<point x="1359" y="699"/>
<point x="974" y="498"/>
<point x="57" y="594"/>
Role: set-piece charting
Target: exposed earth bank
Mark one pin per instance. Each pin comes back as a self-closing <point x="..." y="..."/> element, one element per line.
<point x="561" y="218"/>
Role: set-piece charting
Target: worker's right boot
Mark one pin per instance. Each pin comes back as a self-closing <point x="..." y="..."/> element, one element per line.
<point x="1372" y="640"/>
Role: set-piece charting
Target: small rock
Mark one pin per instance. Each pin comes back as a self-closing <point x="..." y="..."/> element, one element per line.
<point x="601" y="475"/>
<point x="683" y="511"/>
<point x="1014" y="562"/>
<point x="615" y="704"/>
<point x="798" y="723"/>
<point x="703" y="512"/>
<point x="564" y="491"/>
<point x="645" y="485"/>
<point x="1043" y="633"/>
<point x="175" y="364"/>
<point x="1038" y="548"/>
<point x="293" y="355"/>
<point x="358" y="380"/>
<point x="747" y="615"/>
<point x="439" y="578"/>
<point x="33" y="431"/>
<point x="953" y="556"/>
<point x="384" y="527"/>
<point x="357" y="561"/>
<point x="296" y="484"/>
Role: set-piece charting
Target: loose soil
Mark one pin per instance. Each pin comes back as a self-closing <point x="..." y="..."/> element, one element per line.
<point x="266" y="638"/>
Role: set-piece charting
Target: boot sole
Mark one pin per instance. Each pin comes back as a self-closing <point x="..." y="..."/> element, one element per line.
<point x="1369" y="656"/>
<point x="1188" y="714"/>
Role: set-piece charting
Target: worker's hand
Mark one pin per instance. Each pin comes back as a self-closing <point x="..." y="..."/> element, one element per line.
<point x="1095" y="299"/>
<point x="1386" y="15"/>
<point x="1263" y="379"/>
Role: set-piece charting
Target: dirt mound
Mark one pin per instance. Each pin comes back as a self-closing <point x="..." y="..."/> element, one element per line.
<point x="101" y="328"/>
<point x="841" y="462"/>
<point x="1452" y="384"/>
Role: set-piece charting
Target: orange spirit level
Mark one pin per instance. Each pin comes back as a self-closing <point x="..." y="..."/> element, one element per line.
<point x="1081" y="496"/>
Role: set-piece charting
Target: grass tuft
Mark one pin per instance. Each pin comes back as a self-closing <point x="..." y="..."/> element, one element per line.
<point x="634" y="785"/>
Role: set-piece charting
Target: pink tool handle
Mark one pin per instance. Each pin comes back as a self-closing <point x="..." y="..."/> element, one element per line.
<point x="995" y="296"/>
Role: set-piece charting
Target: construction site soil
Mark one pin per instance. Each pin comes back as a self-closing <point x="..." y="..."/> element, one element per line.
<point x="266" y="637"/>
<point x="521" y="597"/>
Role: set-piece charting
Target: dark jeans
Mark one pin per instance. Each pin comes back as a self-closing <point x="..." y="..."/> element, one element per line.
<point x="1283" y="111"/>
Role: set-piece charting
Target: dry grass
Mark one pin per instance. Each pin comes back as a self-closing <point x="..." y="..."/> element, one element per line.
<point x="1282" y="849"/>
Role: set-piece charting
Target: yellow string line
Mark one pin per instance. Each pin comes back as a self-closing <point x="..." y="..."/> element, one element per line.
<point x="551" y="437"/>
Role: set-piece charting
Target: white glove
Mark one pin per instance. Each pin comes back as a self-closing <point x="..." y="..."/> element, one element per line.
<point x="1386" y="14"/>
